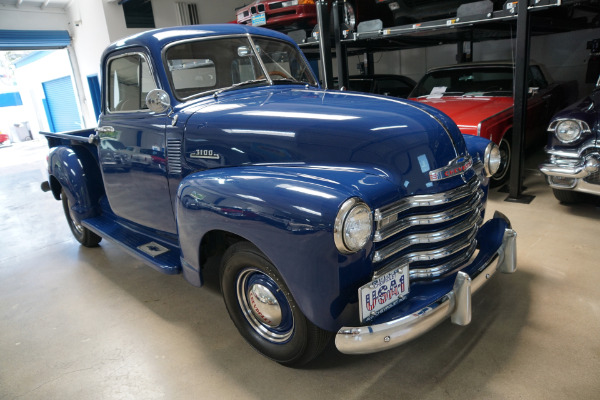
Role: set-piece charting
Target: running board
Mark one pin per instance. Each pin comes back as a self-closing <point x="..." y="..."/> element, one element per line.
<point x="159" y="255"/>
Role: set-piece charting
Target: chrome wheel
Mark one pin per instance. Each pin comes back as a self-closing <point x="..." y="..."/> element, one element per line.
<point x="81" y="233"/>
<point x="76" y="225"/>
<point x="263" y="309"/>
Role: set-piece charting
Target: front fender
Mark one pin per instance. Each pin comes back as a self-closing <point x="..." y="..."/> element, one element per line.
<point x="476" y="147"/>
<point x="77" y="172"/>
<point x="288" y="213"/>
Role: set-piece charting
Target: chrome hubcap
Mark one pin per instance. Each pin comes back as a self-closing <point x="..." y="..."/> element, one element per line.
<point x="264" y="306"/>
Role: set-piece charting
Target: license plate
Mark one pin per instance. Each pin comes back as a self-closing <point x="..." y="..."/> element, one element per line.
<point x="383" y="293"/>
<point x="259" y="19"/>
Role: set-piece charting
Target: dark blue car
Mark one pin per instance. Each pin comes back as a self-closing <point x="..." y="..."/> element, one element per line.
<point x="331" y="213"/>
<point x="573" y="168"/>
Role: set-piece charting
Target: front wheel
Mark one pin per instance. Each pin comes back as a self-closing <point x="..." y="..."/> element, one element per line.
<point x="81" y="233"/>
<point x="264" y="311"/>
<point x="567" y="196"/>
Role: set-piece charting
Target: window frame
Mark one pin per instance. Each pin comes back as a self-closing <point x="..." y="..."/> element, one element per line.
<point x="249" y="37"/>
<point x="108" y="92"/>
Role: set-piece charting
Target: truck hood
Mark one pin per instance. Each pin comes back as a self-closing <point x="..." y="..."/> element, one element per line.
<point x="468" y="112"/>
<point x="397" y="139"/>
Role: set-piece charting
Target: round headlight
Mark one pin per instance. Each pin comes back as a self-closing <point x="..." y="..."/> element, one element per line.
<point x="353" y="226"/>
<point x="491" y="159"/>
<point x="567" y="131"/>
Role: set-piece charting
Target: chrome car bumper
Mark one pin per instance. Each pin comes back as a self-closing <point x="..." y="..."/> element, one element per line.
<point x="570" y="173"/>
<point x="455" y="304"/>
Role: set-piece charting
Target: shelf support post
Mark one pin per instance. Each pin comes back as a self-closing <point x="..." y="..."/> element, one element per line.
<point x="520" y="106"/>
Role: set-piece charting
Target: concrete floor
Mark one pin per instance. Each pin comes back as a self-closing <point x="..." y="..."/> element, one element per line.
<point x="78" y="323"/>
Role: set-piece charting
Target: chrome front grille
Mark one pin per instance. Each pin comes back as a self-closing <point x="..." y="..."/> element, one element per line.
<point x="593" y="178"/>
<point x="433" y="234"/>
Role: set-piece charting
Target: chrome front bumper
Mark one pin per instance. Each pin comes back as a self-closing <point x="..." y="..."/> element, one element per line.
<point x="568" y="173"/>
<point x="456" y="304"/>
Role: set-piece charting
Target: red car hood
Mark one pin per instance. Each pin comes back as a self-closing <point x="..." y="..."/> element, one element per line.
<point x="468" y="112"/>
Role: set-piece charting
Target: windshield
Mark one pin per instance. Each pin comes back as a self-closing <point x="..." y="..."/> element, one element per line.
<point x="467" y="81"/>
<point x="206" y="66"/>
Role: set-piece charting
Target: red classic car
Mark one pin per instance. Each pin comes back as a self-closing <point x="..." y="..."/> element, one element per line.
<point x="3" y="139"/>
<point x="302" y="14"/>
<point x="295" y="14"/>
<point x="479" y="98"/>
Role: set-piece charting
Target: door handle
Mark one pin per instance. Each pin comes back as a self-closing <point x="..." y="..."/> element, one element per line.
<point x="95" y="138"/>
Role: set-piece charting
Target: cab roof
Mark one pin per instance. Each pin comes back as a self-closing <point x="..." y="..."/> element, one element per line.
<point x="156" y="39"/>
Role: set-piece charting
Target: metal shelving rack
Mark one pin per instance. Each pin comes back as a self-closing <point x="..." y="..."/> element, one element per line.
<point x="509" y="23"/>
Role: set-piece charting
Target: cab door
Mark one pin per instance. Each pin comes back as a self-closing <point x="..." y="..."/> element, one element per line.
<point x="137" y="187"/>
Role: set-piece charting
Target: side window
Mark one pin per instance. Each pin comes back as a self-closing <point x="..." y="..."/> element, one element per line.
<point x="129" y="81"/>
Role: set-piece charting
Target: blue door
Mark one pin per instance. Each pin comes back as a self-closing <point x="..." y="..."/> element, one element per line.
<point x="94" y="85"/>
<point x="63" y="114"/>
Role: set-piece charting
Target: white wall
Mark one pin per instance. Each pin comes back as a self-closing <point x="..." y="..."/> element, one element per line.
<point x="209" y="12"/>
<point x="31" y="18"/>
<point x="90" y="37"/>
<point x="217" y="12"/>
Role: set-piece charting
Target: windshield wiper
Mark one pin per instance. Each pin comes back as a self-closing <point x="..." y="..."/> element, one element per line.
<point x="287" y="81"/>
<point x="239" y="84"/>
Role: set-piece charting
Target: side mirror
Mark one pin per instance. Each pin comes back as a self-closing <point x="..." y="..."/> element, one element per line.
<point x="158" y="101"/>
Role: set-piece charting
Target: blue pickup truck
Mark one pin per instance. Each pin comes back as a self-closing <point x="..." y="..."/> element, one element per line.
<point x="330" y="213"/>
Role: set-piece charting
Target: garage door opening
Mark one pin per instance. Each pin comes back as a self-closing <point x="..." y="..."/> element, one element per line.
<point x="38" y="88"/>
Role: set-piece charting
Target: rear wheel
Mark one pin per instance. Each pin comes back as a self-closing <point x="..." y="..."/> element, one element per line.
<point x="81" y="233"/>
<point x="264" y="311"/>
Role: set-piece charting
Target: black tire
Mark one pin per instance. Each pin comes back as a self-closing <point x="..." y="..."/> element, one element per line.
<point x="278" y="330"/>
<point x="81" y="233"/>
<point x="567" y="196"/>
<point x="500" y="177"/>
